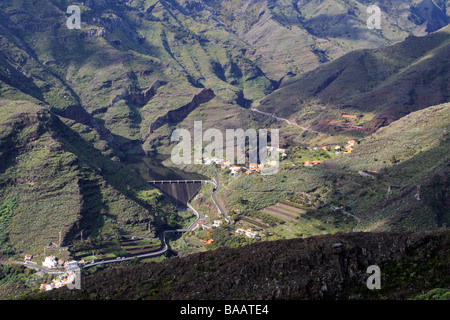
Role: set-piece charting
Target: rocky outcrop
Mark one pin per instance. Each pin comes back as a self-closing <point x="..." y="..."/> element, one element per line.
<point x="79" y="114"/>
<point x="93" y="33"/>
<point x="142" y="98"/>
<point x="174" y="116"/>
<point x="76" y="113"/>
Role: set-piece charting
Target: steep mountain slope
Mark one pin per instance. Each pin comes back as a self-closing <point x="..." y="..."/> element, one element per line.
<point x="409" y="164"/>
<point x="395" y="179"/>
<point x="125" y="67"/>
<point x="60" y="186"/>
<point x="291" y="37"/>
<point x="133" y="62"/>
<point x="378" y="86"/>
<point x="76" y="102"/>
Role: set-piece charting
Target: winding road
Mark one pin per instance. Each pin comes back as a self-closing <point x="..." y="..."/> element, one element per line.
<point x="287" y="121"/>
<point x="164" y="247"/>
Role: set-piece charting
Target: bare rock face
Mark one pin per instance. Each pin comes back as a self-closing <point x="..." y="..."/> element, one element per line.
<point x="142" y="98"/>
<point x="179" y="114"/>
<point x="76" y="113"/>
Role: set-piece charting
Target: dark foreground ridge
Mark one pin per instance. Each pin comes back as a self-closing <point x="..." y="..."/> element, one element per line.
<point x="320" y="267"/>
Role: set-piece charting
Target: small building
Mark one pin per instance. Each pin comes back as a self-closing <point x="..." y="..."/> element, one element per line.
<point x="218" y="161"/>
<point x="46" y="287"/>
<point x="50" y="262"/>
<point x="252" y="234"/>
<point x="28" y="258"/>
<point x="207" y="161"/>
<point x="217" y="223"/>
<point x="203" y="225"/>
<point x="351" y="143"/>
<point x="248" y="233"/>
<point x="349" y="116"/>
<point x="311" y="163"/>
<point x="71" y="264"/>
<point x="235" y="169"/>
<point x="58" y="284"/>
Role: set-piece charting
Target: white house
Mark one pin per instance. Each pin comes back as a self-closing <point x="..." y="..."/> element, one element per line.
<point x="217" y="160"/>
<point x="46" y="287"/>
<point x="71" y="264"/>
<point x="235" y="169"/>
<point x="217" y="223"/>
<point x="252" y="234"/>
<point x="50" y="262"/>
<point x="207" y="161"/>
<point x="249" y="233"/>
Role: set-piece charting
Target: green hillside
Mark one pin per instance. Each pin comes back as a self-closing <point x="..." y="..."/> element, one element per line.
<point x="394" y="179"/>
<point x="131" y="64"/>
<point x="57" y="179"/>
<point x="86" y="117"/>
<point x="409" y="161"/>
<point x="377" y="86"/>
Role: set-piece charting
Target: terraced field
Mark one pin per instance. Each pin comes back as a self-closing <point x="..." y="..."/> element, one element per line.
<point x="283" y="212"/>
<point x="138" y="246"/>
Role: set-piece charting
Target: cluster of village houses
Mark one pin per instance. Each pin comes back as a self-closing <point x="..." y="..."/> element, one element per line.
<point x="252" y="168"/>
<point x="337" y="149"/>
<point x="249" y="233"/>
<point x="256" y="168"/>
<point x="59" y="282"/>
<point x="51" y="262"/>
